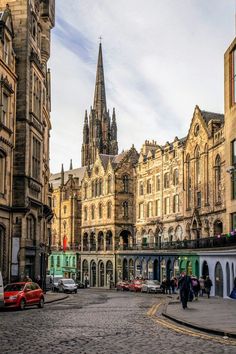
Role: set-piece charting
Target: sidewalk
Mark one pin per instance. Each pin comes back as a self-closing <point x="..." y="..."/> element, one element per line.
<point x="214" y="315"/>
<point x="53" y="297"/>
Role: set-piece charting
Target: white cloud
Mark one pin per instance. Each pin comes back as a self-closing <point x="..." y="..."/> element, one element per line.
<point x="161" y="58"/>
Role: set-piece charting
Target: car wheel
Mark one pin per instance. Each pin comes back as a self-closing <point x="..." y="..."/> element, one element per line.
<point x="41" y="303"/>
<point x="22" y="304"/>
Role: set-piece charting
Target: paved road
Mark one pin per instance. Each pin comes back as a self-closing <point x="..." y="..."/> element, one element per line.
<point x="95" y="321"/>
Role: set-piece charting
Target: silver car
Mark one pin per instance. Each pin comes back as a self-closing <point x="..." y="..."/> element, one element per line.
<point x="151" y="286"/>
<point x="67" y="286"/>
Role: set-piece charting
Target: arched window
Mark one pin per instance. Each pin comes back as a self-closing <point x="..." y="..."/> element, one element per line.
<point x="96" y="187"/>
<point x="149" y="186"/>
<point x="149" y="210"/>
<point x="100" y="186"/>
<point x="158" y="183"/>
<point x="2" y="172"/>
<point x="85" y="191"/>
<point x="218" y="179"/>
<point x="31" y="228"/>
<point x="2" y="249"/>
<point x="176" y="204"/>
<point x="109" y="181"/>
<point x="126" y="183"/>
<point x="85" y="213"/>
<point x="176" y="177"/>
<point x="141" y="188"/>
<point x="188" y="182"/>
<point x="92" y="212"/>
<point x="166" y="180"/>
<point x="197" y="166"/>
<point x="125" y="210"/>
<point x="158" y="207"/>
<point x="93" y="189"/>
<point x="109" y="210"/>
<point x="100" y="210"/>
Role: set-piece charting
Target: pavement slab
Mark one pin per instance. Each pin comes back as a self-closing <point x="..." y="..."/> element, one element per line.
<point x="214" y="314"/>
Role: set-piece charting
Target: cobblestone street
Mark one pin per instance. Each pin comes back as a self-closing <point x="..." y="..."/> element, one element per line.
<point x="96" y="321"/>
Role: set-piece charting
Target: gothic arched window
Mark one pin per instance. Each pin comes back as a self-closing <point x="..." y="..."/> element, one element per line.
<point x="166" y="180"/>
<point x="109" y="180"/>
<point x="197" y="166"/>
<point x="218" y="179"/>
<point x="100" y="210"/>
<point x="92" y="212"/>
<point x="176" y="177"/>
<point x="126" y="184"/>
<point x="31" y="228"/>
<point x="100" y="186"/>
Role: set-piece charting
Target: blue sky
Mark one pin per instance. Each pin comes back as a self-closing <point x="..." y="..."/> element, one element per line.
<point x="161" y="58"/>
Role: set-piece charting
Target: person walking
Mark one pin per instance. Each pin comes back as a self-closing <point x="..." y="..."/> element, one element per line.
<point x="202" y="285"/>
<point x="184" y="289"/>
<point x="195" y="286"/>
<point x="208" y="285"/>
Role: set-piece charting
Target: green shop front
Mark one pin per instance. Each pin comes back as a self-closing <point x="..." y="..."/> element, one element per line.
<point x="63" y="263"/>
<point x="189" y="263"/>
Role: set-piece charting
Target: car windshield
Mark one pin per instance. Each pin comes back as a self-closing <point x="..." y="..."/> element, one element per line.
<point x="14" y="287"/>
<point x="56" y="279"/>
<point x="68" y="281"/>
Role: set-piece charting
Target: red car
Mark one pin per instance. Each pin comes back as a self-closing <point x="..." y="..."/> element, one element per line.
<point x="122" y="285"/>
<point x="23" y="294"/>
<point x="135" y="285"/>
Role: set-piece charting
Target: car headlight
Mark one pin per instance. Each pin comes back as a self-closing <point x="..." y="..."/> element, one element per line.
<point x="13" y="297"/>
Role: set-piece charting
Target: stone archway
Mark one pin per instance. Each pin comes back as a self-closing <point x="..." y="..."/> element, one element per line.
<point x="205" y="269"/>
<point x="219" y="280"/>
<point x="125" y="239"/>
<point x="101" y="274"/>
<point x="168" y="269"/>
<point x="93" y="274"/>
<point x="85" y="270"/>
<point x="131" y="269"/>
<point x="155" y="269"/>
<point x="108" y="240"/>
<point x="125" y="269"/>
<point x="109" y="273"/>
<point x="85" y="242"/>
<point x="100" y="241"/>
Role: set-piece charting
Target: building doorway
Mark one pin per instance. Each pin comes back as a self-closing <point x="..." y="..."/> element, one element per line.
<point x="125" y="269"/>
<point x="219" y="287"/>
<point x="93" y="273"/>
<point x="205" y="269"/>
<point x="155" y="270"/>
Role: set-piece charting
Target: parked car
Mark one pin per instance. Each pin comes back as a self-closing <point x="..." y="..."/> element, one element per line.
<point x="1" y="291"/>
<point x="55" y="281"/>
<point x="80" y="284"/>
<point x="67" y="286"/>
<point x="135" y="285"/>
<point x="23" y="294"/>
<point x="122" y="285"/>
<point x="151" y="286"/>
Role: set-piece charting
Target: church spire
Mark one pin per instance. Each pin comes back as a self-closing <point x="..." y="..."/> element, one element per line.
<point x="99" y="104"/>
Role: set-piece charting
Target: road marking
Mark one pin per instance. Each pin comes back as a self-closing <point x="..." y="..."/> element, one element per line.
<point x="152" y="311"/>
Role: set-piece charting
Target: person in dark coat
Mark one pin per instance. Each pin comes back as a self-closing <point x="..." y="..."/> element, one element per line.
<point x="184" y="289"/>
<point x="208" y="285"/>
<point x="195" y="286"/>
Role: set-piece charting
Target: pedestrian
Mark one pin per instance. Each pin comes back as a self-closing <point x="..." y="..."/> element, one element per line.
<point x="195" y="286"/>
<point x="168" y="286"/>
<point x="208" y="285"/>
<point x="27" y="279"/>
<point x="163" y="285"/>
<point x="184" y="289"/>
<point x="202" y="285"/>
<point x="173" y="282"/>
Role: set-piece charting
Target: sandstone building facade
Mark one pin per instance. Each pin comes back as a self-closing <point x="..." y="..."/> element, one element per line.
<point x="30" y="204"/>
<point x="7" y="135"/>
<point x="168" y="209"/>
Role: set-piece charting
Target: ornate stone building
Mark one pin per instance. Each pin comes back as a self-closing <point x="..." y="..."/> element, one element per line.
<point x="100" y="131"/>
<point x="66" y="222"/>
<point x="108" y="214"/>
<point x="8" y="81"/>
<point x="30" y="211"/>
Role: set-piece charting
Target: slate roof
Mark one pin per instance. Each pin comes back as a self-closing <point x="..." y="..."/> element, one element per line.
<point x="55" y="178"/>
<point x="207" y="116"/>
